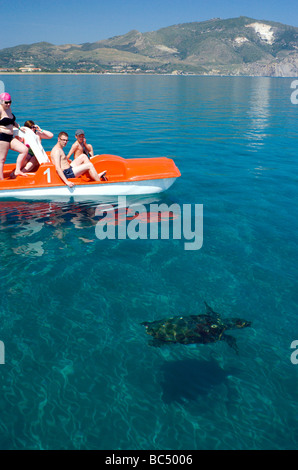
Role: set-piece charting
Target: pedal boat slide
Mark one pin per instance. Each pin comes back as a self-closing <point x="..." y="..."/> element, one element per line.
<point x="134" y="176"/>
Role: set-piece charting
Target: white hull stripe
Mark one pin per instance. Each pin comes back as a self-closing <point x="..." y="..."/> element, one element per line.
<point x="106" y="189"/>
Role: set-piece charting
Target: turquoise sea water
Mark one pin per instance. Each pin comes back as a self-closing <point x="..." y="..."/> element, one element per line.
<point x="78" y="371"/>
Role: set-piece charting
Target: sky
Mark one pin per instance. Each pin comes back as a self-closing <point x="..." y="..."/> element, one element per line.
<point x="80" y="21"/>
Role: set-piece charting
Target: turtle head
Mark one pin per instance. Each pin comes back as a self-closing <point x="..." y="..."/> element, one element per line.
<point x="237" y="323"/>
<point x="149" y="329"/>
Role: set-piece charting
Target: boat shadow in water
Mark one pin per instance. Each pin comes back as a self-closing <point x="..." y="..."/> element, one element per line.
<point x="190" y="379"/>
<point x="36" y="229"/>
<point x="58" y="210"/>
<point x="20" y="219"/>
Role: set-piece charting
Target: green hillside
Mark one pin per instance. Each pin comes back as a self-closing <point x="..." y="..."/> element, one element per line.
<point x="235" y="46"/>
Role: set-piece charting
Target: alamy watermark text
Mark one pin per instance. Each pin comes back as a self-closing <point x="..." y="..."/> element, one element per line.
<point x="294" y="94"/>
<point x="161" y="221"/>
<point x="2" y="353"/>
<point x="294" y="355"/>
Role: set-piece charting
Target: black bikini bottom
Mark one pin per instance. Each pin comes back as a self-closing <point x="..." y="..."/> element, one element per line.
<point x="5" y="137"/>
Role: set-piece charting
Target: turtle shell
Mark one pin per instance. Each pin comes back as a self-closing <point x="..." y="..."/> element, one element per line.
<point x="187" y="329"/>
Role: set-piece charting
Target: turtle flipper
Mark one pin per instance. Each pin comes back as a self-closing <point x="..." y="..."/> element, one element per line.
<point x="231" y="342"/>
<point x="209" y="310"/>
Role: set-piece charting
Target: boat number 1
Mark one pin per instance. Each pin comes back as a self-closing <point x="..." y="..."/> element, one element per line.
<point x="48" y="173"/>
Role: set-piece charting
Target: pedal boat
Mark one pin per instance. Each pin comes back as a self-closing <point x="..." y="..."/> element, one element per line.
<point x="135" y="176"/>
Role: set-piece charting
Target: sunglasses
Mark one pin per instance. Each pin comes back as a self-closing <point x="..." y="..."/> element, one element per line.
<point x="7" y="102"/>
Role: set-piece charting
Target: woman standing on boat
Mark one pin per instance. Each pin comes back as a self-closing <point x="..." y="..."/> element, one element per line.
<point x="7" y="141"/>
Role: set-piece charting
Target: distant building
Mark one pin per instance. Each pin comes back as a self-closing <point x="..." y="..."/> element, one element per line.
<point x="29" y="69"/>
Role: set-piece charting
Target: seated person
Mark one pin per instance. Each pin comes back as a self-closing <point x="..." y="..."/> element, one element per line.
<point x="31" y="162"/>
<point x="76" y="168"/>
<point x="80" y="146"/>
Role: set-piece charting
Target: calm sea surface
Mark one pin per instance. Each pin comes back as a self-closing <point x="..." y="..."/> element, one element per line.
<point x="78" y="372"/>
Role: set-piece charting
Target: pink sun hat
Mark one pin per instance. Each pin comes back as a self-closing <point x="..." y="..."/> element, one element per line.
<point x="5" y="97"/>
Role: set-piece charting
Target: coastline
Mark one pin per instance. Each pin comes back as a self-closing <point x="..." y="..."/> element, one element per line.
<point x="112" y="73"/>
<point x="144" y="74"/>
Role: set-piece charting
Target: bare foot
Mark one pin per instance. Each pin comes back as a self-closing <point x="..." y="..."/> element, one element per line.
<point x="102" y="175"/>
<point x="20" y="173"/>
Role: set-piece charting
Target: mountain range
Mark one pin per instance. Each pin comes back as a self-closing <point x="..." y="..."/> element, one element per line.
<point x="236" y="46"/>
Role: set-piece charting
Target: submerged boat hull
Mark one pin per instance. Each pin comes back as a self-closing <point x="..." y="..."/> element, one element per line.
<point x="125" y="177"/>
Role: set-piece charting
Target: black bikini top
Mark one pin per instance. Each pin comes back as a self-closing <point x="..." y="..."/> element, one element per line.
<point x="6" y="121"/>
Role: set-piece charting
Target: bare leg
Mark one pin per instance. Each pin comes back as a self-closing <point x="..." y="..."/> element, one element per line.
<point x="4" y="147"/>
<point x="83" y="161"/>
<point x="17" y="146"/>
<point x="80" y="160"/>
<point x="80" y="169"/>
<point x="93" y="173"/>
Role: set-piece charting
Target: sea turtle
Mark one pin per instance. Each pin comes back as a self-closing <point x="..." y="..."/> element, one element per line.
<point x="190" y="329"/>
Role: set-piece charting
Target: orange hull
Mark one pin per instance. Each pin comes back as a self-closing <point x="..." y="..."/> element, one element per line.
<point x="125" y="176"/>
